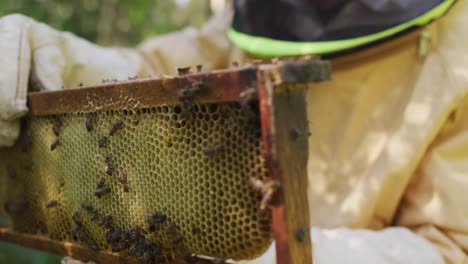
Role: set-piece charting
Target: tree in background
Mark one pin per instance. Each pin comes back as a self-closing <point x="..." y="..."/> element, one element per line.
<point x="113" y="22"/>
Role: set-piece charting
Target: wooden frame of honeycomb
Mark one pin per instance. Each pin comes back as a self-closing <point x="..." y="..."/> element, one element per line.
<point x="277" y="94"/>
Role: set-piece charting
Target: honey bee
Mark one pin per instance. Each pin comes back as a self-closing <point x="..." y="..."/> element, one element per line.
<point x="113" y="235"/>
<point x="154" y="219"/>
<point x="106" y="221"/>
<point x="301" y="233"/>
<point x="183" y="71"/>
<point x="108" y="168"/>
<point x="82" y="235"/>
<point x="51" y="204"/>
<point x="177" y="239"/>
<point x="92" y="244"/>
<point x="213" y="150"/>
<point x="267" y="189"/>
<point x="54" y="145"/>
<point x="77" y="219"/>
<point x="80" y="84"/>
<point x="235" y="64"/>
<point x="102" y="191"/>
<point x="188" y="92"/>
<point x="123" y="181"/>
<point x="101" y="184"/>
<point x="191" y="259"/>
<point x="102" y="142"/>
<point x="123" y="243"/>
<point x="56" y="125"/>
<point x="146" y="243"/>
<point x="87" y="207"/>
<point x="132" y="234"/>
<point x="94" y="215"/>
<point x="74" y="230"/>
<point x="11" y="171"/>
<point x="90" y="117"/>
<point x="199" y="68"/>
<point x="245" y="101"/>
<point x="247" y="96"/>
<point x="159" y="217"/>
<point x="295" y="133"/>
<point x="133" y="249"/>
<point x="119" y="124"/>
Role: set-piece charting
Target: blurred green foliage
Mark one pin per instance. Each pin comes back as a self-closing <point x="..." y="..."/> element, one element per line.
<point x="112" y="22"/>
<point x="10" y="253"/>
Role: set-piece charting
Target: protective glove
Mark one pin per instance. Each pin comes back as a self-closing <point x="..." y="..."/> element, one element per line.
<point x="35" y="55"/>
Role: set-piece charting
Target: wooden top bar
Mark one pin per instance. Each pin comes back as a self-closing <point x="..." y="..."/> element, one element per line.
<point x="220" y="86"/>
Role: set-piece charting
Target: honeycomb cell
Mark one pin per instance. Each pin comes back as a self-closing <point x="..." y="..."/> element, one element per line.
<point x="160" y="150"/>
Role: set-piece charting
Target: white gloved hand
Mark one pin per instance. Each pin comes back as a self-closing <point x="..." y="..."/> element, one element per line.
<point x="394" y="245"/>
<point x="49" y="59"/>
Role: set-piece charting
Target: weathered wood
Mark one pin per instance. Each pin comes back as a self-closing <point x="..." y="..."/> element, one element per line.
<point x="283" y="112"/>
<point x="62" y="248"/>
<point x="73" y="250"/>
<point x="304" y="71"/>
<point x="219" y="86"/>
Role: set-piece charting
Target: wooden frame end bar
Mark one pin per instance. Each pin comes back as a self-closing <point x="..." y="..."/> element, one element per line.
<point x="283" y="111"/>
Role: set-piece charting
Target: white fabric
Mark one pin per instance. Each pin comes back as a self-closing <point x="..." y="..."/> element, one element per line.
<point x="15" y="59"/>
<point x="396" y="245"/>
<point x="391" y="245"/>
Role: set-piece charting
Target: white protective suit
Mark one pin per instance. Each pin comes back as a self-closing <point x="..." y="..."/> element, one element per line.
<point x="390" y="130"/>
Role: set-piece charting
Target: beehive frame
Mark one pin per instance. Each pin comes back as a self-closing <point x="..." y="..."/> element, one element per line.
<point x="282" y="107"/>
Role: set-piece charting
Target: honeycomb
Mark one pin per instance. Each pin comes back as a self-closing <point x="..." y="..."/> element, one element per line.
<point x="194" y="168"/>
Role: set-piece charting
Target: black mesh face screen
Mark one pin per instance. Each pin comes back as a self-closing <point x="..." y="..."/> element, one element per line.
<point x="319" y="20"/>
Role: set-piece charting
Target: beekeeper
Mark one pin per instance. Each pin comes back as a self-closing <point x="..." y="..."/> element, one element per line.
<point x="388" y="162"/>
